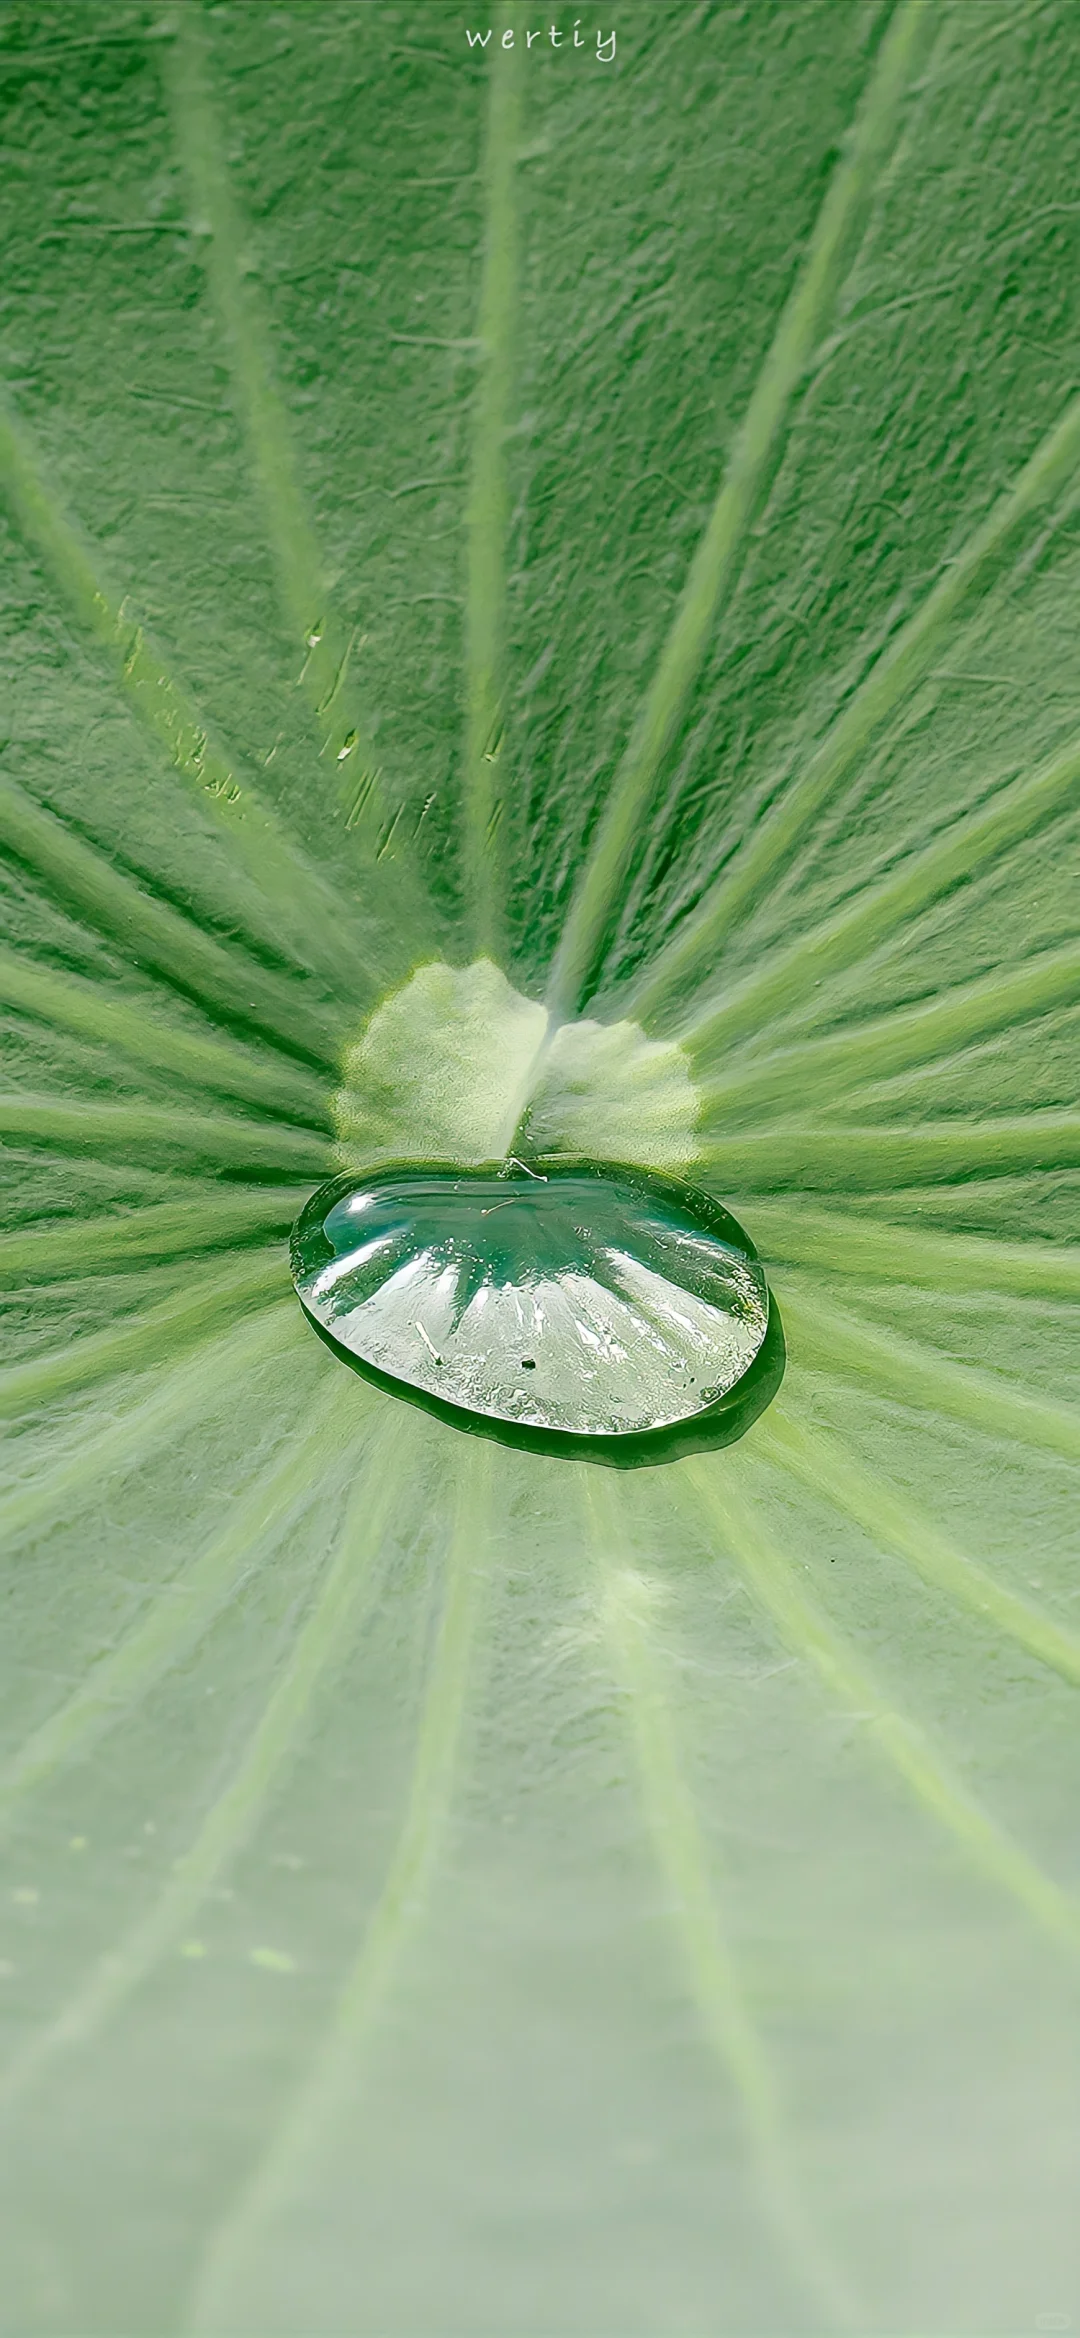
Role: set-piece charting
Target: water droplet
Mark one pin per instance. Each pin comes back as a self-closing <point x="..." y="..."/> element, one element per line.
<point x="640" y="1301"/>
<point x="272" y="1960"/>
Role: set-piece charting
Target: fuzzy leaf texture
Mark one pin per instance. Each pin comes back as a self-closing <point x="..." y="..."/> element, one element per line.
<point x="604" y="532"/>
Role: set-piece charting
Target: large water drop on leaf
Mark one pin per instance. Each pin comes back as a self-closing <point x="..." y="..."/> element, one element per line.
<point x="583" y="1298"/>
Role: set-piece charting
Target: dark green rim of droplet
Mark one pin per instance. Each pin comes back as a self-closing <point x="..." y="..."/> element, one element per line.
<point x="717" y="1425"/>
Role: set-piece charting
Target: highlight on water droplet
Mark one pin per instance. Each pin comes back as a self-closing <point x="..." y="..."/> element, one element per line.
<point x="580" y="1299"/>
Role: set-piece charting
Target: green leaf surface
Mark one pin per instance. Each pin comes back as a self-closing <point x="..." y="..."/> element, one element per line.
<point x="538" y="609"/>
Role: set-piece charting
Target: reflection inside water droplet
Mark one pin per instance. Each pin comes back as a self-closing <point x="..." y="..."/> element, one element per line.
<point x="641" y="1301"/>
